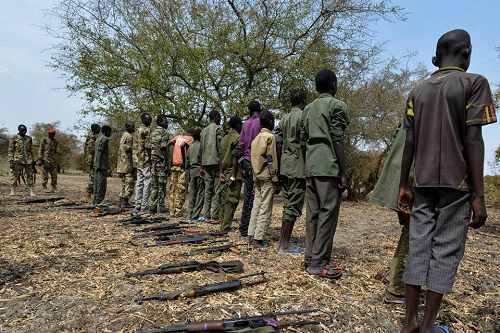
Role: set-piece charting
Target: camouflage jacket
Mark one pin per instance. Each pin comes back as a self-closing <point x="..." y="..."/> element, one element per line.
<point x="123" y="165"/>
<point x="158" y="140"/>
<point x="89" y="148"/>
<point x="140" y="146"/>
<point x="21" y="149"/>
<point x="47" y="151"/>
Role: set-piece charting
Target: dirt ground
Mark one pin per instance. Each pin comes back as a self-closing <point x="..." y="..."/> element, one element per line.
<point x="64" y="271"/>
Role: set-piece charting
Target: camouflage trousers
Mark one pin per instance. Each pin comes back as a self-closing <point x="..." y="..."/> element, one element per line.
<point x="16" y="171"/>
<point x="52" y="170"/>
<point x="228" y="202"/>
<point x="177" y="191"/>
<point x="90" y="186"/>
<point x="158" y="185"/>
<point x="128" y="184"/>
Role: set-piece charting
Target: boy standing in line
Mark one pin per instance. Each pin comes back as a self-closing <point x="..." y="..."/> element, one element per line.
<point x="211" y="165"/>
<point x="386" y="193"/>
<point x="160" y="166"/>
<point x="142" y="160"/>
<point x="231" y="184"/>
<point x="196" y="183"/>
<point x="292" y="170"/>
<point x="47" y="154"/>
<point x="443" y="120"/>
<point x="89" y="159"/>
<point x="125" y="166"/>
<point x="101" y="165"/>
<point x="251" y="128"/>
<point x="177" y="183"/>
<point x="322" y="136"/>
<point x="265" y="176"/>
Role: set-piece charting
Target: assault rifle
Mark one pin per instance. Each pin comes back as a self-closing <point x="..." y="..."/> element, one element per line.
<point x="142" y="220"/>
<point x="229" y="325"/>
<point x="200" y="238"/>
<point x="160" y="227"/>
<point x="235" y="266"/>
<point x="194" y="291"/>
<point x="223" y="248"/>
<point x="40" y="200"/>
<point x="169" y="232"/>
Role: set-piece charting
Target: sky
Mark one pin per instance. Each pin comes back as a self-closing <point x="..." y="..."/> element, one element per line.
<point x="30" y="92"/>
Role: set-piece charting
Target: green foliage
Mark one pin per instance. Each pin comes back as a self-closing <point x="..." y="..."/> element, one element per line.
<point x="68" y="144"/>
<point x="492" y="190"/>
<point x="183" y="58"/>
<point x="4" y="141"/>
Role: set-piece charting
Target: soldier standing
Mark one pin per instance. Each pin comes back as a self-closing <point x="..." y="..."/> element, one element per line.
<point x="89" y="159"/>
<point x="125" y="166"/>
<point x="21" y="157"/>
<point x="160" y="165"/>
<point x="101" y="165"/>
<point x="47" y="154"/>
<point x="141" y="153"/>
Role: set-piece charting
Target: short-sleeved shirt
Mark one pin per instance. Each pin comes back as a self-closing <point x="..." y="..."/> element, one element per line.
<point x="48" y="150"/>
<point x="141" y="144"/>
<point x="439" y="110"/>
<point x="21" y="149"/>
<point x="158" y="140"/>
<point x="193" y="159"/>
<point x="229" y="145"/>
<point x="323" y="123"/>
<point x="178" y="141"/>
<point x="101" y="144"/>
<point x="264" y="148"/>
<point x="251" y="128"/>
<point x="123" y="165"/>
<point x="88" y="150"/>
<point x="288" y="134"/>
<point x="210" y="143"/>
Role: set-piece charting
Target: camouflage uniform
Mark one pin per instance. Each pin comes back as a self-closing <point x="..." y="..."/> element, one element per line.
<point x="158" y="140"/>
<point x="21" y="154"/>
<point x="47" y="153"/>
<point x="141" y="161"/>
<point x="124" y="168"/>
<point x="89" y="161"/>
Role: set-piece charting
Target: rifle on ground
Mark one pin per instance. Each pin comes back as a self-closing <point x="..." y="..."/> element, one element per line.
<point x="160" y="227"/>
<point x="223" y="248"/>
<point x="40" y="200"/>
<point x="169" y="232"/>
<point x="235" y="266"/>
<point x="99" y="212"/>
<point x="195" y="239"/>
<point x="143" y="220"/>
<point x="234" y="324"/>
<point x="195" y="291"/>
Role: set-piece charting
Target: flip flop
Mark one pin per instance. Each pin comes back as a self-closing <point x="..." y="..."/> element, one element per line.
<point x="443" y="328"/>
<point x="324" y="274"/>
<point x="296" y="251"/>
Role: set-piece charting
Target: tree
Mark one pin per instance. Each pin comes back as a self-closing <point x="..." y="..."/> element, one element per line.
<point x="4" y="141"/>
<point x="183" y="58"/>
<point x="68" y="145"/>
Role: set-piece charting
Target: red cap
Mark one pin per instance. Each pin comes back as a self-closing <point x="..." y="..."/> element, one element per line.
<point x="52" y="131"/>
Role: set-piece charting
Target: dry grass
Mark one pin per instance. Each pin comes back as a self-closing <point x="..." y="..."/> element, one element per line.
<point x="63" y="271"/>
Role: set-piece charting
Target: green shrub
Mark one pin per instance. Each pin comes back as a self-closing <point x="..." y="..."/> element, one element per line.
<point x="492" y="190"/>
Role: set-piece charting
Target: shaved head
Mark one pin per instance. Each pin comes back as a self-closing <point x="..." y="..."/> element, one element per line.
<point x="453" y="43"/>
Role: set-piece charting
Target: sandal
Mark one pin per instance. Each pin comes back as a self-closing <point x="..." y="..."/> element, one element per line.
<point x="443" y="328"/>
<point x="329" y="272"/>
<point x="296" y="251"/>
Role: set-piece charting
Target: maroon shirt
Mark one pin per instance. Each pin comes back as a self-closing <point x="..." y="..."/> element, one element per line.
<point x="251" y="128"/>
<point x="439" y="110"/>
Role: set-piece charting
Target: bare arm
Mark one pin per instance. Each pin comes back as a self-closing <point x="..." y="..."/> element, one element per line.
<point x="474" y="151"/>
<point x="183" y="153"/>
<point x="405" y="198"/>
